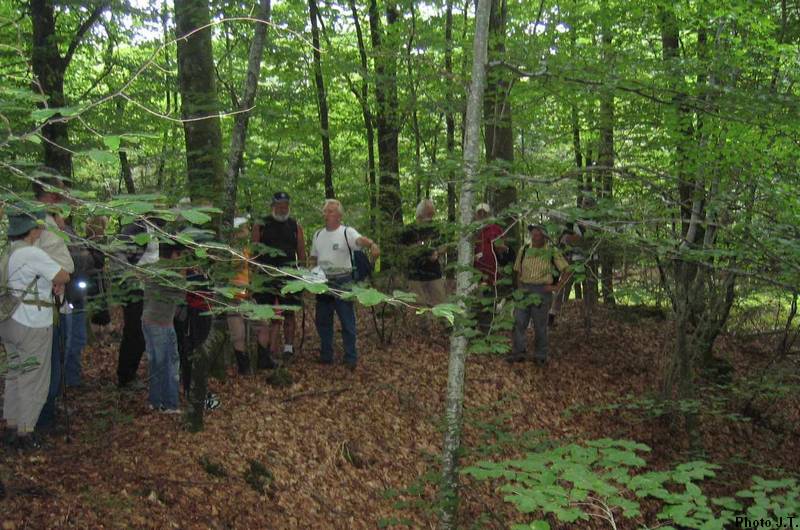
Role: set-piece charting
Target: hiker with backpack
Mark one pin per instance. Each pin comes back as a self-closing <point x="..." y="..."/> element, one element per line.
<point x="536" y="264"/>
<point x="569" y="243"/>
<point x="28" y="277"/>
<point x="48" y="188"/>
<point x="489" y="253"/>
<point x="282" y="244"/>
<point x="422" y="242"/>
<point x="334" y="249"/>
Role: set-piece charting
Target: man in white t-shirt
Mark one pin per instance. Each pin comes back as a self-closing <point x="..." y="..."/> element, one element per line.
<point x="27" y="335"/>
<point x="331" y="250"/>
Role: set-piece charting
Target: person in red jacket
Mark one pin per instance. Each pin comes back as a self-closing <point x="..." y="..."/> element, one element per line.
<point x="488" y="247"/>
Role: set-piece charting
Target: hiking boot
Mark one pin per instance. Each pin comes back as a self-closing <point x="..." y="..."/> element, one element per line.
<point x="321" y="360"/>
<point x="265" y="361"/>
<point x="515" y="358"/>
<point x="350" y="365"/>
<point x="288" y="352"/>
<point x="540" y="361"/>
<point x="551" y="320"/>
<point x="29" y="442"/>
<point x="242" y="362"/>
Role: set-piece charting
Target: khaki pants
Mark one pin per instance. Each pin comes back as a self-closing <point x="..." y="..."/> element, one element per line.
<point x="430" y="292"/>
<point x="28" y="377"/>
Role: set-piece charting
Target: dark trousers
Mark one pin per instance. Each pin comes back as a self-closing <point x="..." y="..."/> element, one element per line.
<point x="132" y="345"/>
<point x="47" y="416"/>
<point x="192" y="332"/>
<point x="532" y="310"/>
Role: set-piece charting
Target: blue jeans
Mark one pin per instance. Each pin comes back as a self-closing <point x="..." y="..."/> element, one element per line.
<point x="75" y="328"/>
<point x="47" y="416"/>
<point x="326" y="305"/>
<point x="162" y="354"/>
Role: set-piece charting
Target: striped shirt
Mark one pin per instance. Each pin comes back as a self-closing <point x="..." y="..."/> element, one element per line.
<point x="535" y="265"/>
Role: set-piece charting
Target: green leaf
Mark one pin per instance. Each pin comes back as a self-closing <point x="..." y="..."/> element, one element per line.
<point x="369" y="297"/>
<point x="296" y="286"/>
<point x="195" y="216"/>
<point x="43" y="114"/>
<point x="101" y="157"/>
<point x="112" y="141"/>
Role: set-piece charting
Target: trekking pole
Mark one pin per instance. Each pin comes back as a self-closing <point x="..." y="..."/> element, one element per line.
<point x="63" y="361"/>
<point x="302" y="326"/>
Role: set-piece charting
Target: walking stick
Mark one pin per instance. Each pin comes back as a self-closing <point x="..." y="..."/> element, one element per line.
<point x="63" y="361"/>
<point x="302" y="326"/>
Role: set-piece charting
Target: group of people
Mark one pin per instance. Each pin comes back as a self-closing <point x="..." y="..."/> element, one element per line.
<point x="166" y="303"/>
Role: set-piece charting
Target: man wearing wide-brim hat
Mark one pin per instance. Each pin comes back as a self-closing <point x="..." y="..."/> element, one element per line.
<point x="30" y="275"/>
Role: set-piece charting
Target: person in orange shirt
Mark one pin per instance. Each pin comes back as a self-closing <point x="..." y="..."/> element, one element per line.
<point x="236" y="322"/>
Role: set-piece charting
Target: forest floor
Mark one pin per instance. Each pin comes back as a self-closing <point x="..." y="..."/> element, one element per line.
<point x="337" y="449"/>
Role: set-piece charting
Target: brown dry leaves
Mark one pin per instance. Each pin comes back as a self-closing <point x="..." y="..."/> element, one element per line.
<point x="332" y="443"/>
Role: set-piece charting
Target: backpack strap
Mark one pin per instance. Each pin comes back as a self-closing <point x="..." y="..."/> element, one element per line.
<point x="349" y="249"/>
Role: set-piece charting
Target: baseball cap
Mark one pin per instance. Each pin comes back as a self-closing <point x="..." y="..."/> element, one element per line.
<point x="280" y="196"/>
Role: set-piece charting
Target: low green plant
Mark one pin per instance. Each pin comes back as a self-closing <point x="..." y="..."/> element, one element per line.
<point x="601" y="479"/>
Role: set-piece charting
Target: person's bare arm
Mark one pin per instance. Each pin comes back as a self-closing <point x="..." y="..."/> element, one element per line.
<point x="60" y="278"/>
<point x="256" y="235"/>
<point x="365" y="242"/>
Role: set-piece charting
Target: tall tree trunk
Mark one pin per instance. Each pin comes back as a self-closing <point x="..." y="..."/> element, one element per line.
<point x="322" y="100"/>
<point x="385" y="49"/>
<point x="454" y="404"/>
<point x="239" y="133"/>
<point x="366" y="113"/>
<point x="49" y="68"/>
<point x="199" y="105"/>
<point x="449" y="116"/>
<point x="499" y="135"/>
<point x="203" y="136"/>
<point x="606" y="157"/>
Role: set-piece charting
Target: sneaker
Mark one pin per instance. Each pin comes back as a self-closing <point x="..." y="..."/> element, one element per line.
<point x="212" y="401"/>
<point x="350" y="365"/>
<point x="540" y="361"/>
<point x="288" y="352"/>
<point x="320" y="360"/>
<point x="551" y="320"/>
<point x="164" y="410"/>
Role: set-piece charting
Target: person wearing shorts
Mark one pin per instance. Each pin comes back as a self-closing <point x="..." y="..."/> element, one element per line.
<point x="279" y="243"/>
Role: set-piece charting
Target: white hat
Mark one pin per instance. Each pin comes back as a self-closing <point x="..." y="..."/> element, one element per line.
<point x="483" y="206"/>
<point x="239" y="221"/>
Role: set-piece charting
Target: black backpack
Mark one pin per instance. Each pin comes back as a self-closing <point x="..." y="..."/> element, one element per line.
<point x="362" y="266"/>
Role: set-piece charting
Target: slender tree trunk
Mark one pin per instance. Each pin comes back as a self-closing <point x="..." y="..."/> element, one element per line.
<point x="499" y="134"/>
<point x="367" y="115"/>
<point x="385" y="49"/>
<point x="49" y="68"/>
<point x="322" y="101"/>
<point x="449" y="118"/>
<point x="606" y="160"/>
<point x="204" y="159"/>
<point x="239" y="133"/>
<point x="454" y="405"/>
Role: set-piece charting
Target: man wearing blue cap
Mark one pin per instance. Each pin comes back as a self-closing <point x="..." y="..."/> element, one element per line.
<point x="282" y="233"/>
